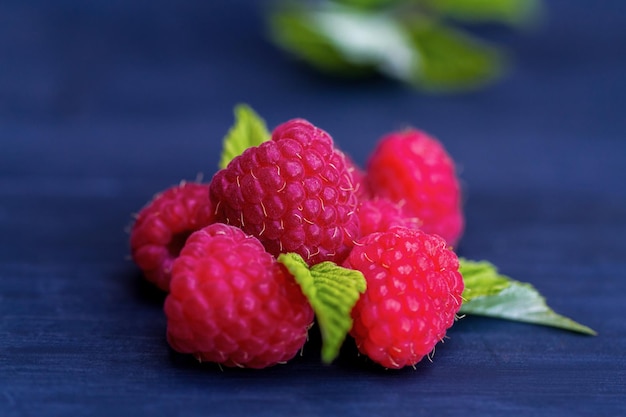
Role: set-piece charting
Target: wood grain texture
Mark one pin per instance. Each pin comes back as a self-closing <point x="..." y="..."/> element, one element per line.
<point x="102" y="105"/>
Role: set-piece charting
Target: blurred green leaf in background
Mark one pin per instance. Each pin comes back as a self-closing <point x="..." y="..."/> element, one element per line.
<point x="424" y="43"/>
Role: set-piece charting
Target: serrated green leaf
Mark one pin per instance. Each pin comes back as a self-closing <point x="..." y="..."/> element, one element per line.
<point x="451" y="59"/>
<point x="332" y="292"/>
<point x="481" y="279"/>
<point x="248" y="130"/>
<point x="487" y="293"/>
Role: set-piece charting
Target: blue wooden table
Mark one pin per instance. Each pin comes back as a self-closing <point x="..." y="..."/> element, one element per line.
<point x="102" y="104"/>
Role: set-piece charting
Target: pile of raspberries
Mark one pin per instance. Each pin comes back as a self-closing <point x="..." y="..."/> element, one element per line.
<point x="213" y="247"/>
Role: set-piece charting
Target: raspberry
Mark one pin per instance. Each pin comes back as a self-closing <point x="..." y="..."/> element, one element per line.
<point x="381" y="214"/>
<point x="412" y="167"/>
<point x="163" y="225"/>
<point x="413" y="294"/>
<point x="232" y="303"/>
<point x="294" y="193"/>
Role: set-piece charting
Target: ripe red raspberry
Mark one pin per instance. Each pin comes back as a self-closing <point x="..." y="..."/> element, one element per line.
<point x="163" y="225"/>
<point x="381" y="214"/>
<point x="294" y="193"/>
<point x="232" y="303"/>
<point x="413" y="294"/>
<point x="412" y="167"/>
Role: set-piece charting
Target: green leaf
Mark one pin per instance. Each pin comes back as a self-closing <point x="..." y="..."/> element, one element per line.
<point x="295" y="31"/>
<point x="413" y="41"/>
<point x="346" y="40"/>
<point x="510" y="12"/>
<point x="332" y="291"/>
<point x="249" y="130"/>
<point x="487" y="293"/>
<point x="481" y="279"/>
<point x="367" y="4"/>
<point x="451" y="59"/>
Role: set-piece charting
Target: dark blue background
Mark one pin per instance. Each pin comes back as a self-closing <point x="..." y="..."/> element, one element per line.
<point x="104" y="103"/>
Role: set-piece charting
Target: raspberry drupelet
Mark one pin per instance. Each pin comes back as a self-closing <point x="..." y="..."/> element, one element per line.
<point x="381" y="214"/>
